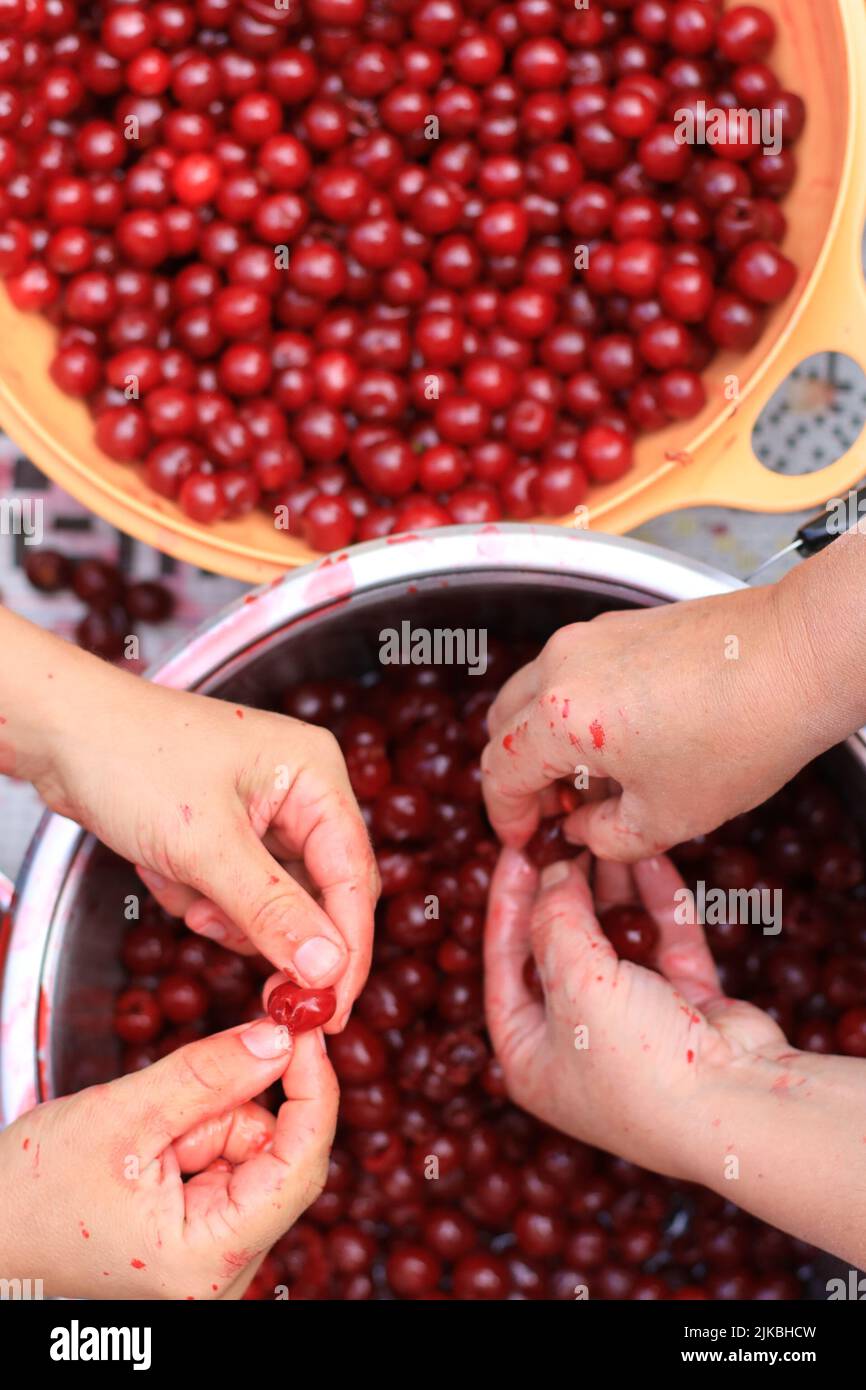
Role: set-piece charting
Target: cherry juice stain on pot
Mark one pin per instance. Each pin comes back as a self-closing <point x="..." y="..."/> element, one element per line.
<point x="5" y="933"/>
<point x="332" y="579"/>
<point x="43" y="1019"/>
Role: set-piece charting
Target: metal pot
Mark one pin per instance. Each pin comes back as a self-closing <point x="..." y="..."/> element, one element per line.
<point x="62" y="963"/>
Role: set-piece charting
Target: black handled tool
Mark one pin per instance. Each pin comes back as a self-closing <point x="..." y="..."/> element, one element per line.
<point x="821" y="530"/>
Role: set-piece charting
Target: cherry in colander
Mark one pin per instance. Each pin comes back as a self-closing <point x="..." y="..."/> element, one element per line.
<point x="424" y="245"/>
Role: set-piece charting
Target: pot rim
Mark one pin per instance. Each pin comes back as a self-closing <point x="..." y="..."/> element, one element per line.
<point x="49" y="873"/>
<point x="434" y="554"/>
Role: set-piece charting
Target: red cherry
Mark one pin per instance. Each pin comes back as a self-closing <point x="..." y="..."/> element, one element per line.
<point x="631" y="932"/>
<point x="851" y="1032"/>
<point x="300" y="1009"/>
<point x="605" y="453"/>
<point x="182" y="998"/>
<point x="47" y="570"/>
<point x="97" y="583"/>
<point x="137" y="1017"/>
<point x="745" y="34"/>
<point x="761" y="272"/>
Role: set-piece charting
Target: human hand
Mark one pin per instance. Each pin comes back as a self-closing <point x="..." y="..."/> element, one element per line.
<point x="96" y="1205"/>
<point x="240" y="821"/>
<point x="616" y="1055"/>
<point x="695" y="711"/>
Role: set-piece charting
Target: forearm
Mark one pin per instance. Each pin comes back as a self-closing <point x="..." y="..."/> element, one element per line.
<point x="821" y="618"/>
<point x="50" y="693"/>
<point x="786" y="1140"/>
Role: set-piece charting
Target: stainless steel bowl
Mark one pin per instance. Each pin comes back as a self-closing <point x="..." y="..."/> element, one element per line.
<point x="62" y="964"/>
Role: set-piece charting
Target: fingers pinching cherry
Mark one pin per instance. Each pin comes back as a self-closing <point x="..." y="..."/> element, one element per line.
<point x="299" y="1009"/>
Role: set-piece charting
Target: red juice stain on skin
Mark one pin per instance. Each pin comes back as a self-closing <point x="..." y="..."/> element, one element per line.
<point x="565" y="708"/>
<point x="214" y="1287"/>
<point x="26" y="1144"/>
<point x="690" y="1056"/>
<point x="3" y="720"/>
<point x="138" y="1264"/>
<point x="508" y="743"/>
<point x="85" y="1233"/>
<point x="690" y="1014"/>
<point x="597" y="734"/>
<point x="239" y="713"/>
<point x="272" y="878"/>
<point x="186" y="812"/>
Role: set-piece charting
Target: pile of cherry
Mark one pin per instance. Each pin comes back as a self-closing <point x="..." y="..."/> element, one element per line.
<point x="329" y="258"/>
<point x="517" y="1210"/>
<point x="113" y="604"/>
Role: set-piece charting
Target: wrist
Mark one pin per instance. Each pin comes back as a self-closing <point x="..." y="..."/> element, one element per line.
<point x="782" y="1137"/>
<point x="732" y="1116"/>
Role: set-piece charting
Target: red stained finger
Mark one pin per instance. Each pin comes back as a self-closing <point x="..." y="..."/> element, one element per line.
<point x="512" y="1013"/>
<point x="567" y="940"/>
<point x="532" y="753"/>
<point x="519" y="690"/>
<point x="682" y="954"/>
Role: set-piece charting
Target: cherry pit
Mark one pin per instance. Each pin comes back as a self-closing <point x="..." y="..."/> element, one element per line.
<point x="378" y="265"/>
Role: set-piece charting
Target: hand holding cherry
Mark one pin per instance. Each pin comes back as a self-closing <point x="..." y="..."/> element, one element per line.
<point x="277" y="858"/>
<point x="694" y="711"/>
<point x="661" y="1068"/>
<point x="615" y="1054"/>
<point x="129" y="1226"/>
<point x="240" y="821"/>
